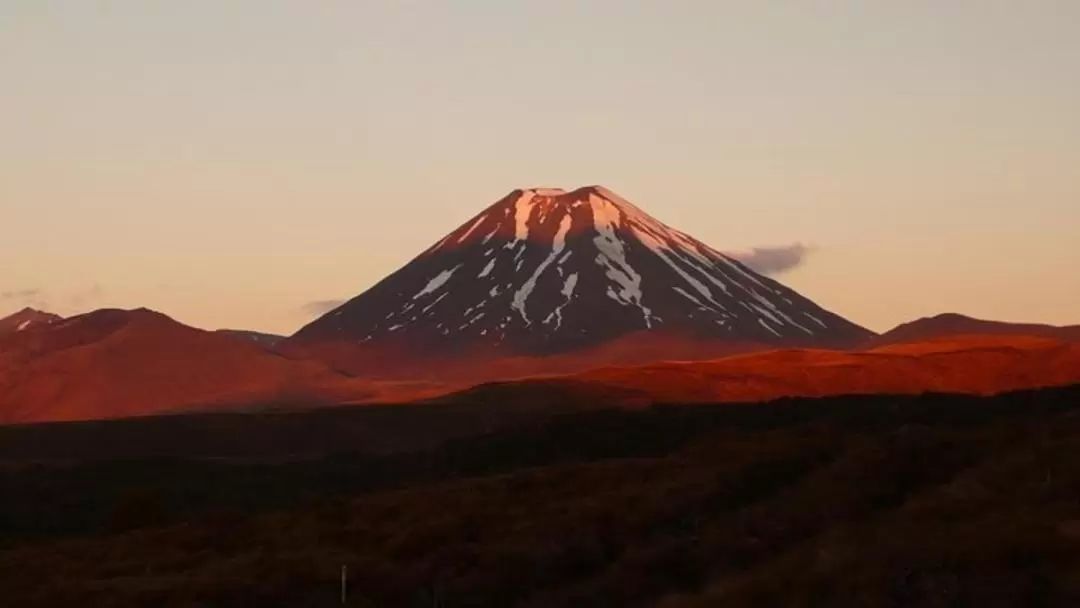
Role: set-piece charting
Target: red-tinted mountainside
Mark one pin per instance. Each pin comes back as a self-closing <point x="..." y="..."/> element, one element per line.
<point x="964" y="364"/>
<point x="117" y="363"/>
<point x="25" y="319"/>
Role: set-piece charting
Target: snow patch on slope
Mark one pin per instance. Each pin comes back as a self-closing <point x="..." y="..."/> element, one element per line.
<point x="768" y="303"/>
<point x="432" y="305"/>
<point x="438" y="281"/>
<point x="661" y="252"/>
<point x="472" y="228"/>
<point x="613" y="256"/>
<point x="523" y="207"/>
<point x="547" y="191"/>
<point x="568" y="295"/>
<point x="522" y="294"/>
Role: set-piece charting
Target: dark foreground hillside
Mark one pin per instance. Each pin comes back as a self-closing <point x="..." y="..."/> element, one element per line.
<point x="869" y="501"/>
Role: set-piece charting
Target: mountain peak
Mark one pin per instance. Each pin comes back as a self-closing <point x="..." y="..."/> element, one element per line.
<point x="550" y="215"/>
<point x="950" y="316"/>
<point x="124" y="313"/>
<point x="25" y="319"/>
<point x="546" y="270"/>
<point x="544" y="191"/>
<point x="579" y="192"/>
<point x="30" y="311"/>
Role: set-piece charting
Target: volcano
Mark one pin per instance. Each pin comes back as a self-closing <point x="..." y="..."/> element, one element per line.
<point x="546" y="271"/>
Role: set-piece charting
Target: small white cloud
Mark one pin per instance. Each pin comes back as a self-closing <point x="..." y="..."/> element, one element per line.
<point x="321" y="307"/>
<point x="774" y="260"/>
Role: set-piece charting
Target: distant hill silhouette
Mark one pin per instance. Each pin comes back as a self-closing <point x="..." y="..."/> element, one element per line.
<point x="952" y="324"/>
<point x="119" y="363"/>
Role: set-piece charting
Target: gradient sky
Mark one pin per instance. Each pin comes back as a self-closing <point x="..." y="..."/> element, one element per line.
<point x="229" y="162"/>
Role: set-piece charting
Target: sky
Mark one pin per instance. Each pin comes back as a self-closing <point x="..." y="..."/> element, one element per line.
<point x="230" y="163"/>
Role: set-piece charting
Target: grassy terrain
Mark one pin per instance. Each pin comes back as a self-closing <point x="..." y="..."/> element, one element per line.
<point x="858" y="501"/>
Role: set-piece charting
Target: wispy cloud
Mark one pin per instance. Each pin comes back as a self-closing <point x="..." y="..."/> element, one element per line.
<point x="57" y="302"/>
<point x="321" y="307"/>
<point x="20" y="295"/>
<point x="774" y="260"/>
<point x="23" y="297"/>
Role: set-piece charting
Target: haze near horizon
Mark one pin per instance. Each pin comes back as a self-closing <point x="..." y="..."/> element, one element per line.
<point x="236" y="165"/>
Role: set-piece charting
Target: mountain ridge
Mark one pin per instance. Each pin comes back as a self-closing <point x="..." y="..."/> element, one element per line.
<point x="27" y="318"/>
<point x="113" y="363"/>
<point x="956" y="324"/>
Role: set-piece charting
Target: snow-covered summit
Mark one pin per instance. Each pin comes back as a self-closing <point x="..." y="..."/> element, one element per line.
<point x="547" y="270"/>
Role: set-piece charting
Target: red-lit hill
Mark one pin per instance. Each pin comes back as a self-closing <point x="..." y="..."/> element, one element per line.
<point x="25" y="319"/>
<point x="118" y="363"/>
<point x="963" y="364"/>
<point x="952" y="324"/>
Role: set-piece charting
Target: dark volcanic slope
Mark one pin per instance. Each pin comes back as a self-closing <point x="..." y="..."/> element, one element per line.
<point x="545" y="271"/>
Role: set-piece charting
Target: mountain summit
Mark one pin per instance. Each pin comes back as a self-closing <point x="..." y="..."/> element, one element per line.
<point x="545" y="271"/>
<point x="25" y="319"/>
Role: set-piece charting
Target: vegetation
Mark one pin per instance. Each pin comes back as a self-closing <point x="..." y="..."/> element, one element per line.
<point x="858" y="501"/>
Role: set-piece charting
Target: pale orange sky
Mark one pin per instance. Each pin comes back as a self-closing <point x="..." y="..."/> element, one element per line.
<point x="227" y="163"/>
